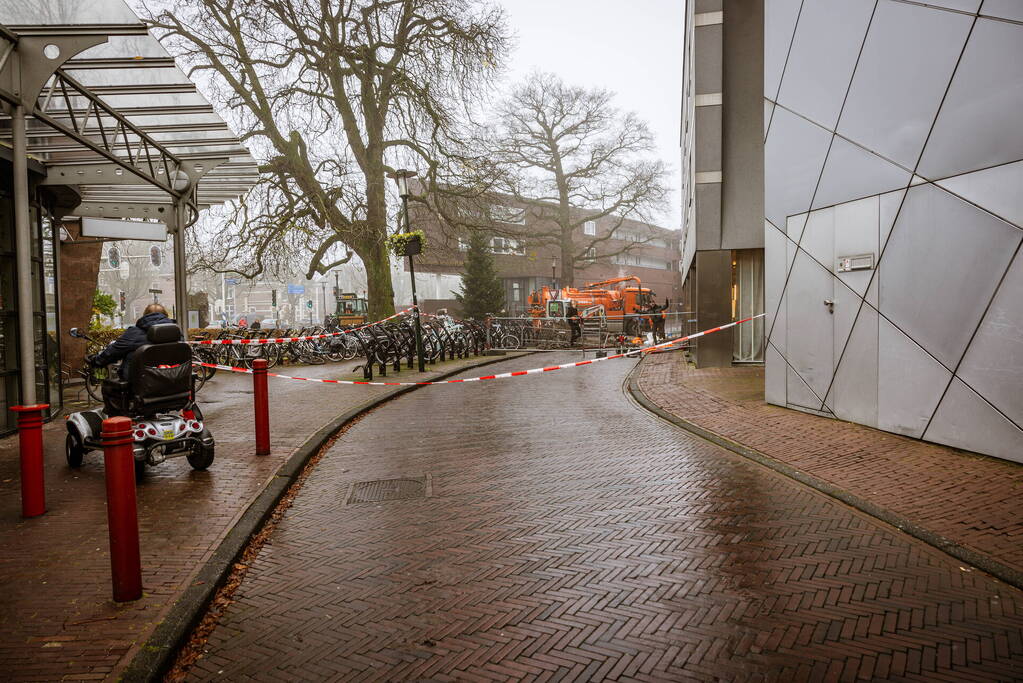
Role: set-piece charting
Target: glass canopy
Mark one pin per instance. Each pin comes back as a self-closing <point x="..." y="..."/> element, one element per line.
<point x="120" y="121"/>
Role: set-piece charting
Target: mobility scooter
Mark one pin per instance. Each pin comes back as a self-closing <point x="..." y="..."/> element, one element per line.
<point x="158" y="396"/>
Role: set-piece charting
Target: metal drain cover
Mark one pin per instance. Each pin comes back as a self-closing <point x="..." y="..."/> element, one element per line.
<point x="384" y="490"/>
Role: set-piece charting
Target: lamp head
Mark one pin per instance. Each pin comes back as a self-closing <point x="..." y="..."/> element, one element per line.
<point x="401" y="177"/>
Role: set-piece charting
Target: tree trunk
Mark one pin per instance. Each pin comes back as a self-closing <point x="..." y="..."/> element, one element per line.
<point x="567" y="258"/>
<point x="380" y="294"/>
<point x="373" y="251"/>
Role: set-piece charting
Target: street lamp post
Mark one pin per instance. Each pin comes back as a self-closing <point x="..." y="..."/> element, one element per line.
<point x="401" y="177"/>
<point x="337" y="296"/>
<point x="554" y="271"/>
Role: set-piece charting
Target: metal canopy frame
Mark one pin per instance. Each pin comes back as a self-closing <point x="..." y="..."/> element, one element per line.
<point x="89" y="93"/>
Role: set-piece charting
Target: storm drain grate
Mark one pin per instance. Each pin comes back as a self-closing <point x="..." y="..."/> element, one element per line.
<point x="384" y="490"/>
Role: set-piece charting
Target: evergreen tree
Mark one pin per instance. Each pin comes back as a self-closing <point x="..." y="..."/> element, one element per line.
<point x="482" y="291"/>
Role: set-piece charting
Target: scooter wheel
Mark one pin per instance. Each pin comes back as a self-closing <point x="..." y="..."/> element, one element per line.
<point x="201" y="456"/>
<point x="73" y="450"/>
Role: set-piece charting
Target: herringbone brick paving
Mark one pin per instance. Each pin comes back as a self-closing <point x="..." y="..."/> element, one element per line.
<point x="57" y="621"/>
<point x="974" y="500"/>
<point x="570" y="535"/>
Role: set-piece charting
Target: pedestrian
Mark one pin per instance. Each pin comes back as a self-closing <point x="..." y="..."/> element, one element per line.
<point x="572" y="313"/>
<point x="659" y="318"/>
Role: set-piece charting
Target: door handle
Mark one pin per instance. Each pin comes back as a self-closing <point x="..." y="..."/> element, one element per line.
<point x="831" y="306"/>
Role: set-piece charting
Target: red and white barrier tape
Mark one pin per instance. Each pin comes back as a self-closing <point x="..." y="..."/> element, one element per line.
<point x="503" y="375"/>
<point x="285" y="340"/>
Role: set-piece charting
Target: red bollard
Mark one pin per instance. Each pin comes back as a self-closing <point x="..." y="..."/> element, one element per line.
<point x="30" y="443"/>
<point x="261" y="400"/>
<point x="122" y="512"/>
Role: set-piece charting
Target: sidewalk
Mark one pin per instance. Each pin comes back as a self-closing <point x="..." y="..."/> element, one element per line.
<point x="58" y="619"/>
<point x="968" y="504"/>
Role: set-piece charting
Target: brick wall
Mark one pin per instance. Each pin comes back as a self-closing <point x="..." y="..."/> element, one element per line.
<point x="79" y="270"/>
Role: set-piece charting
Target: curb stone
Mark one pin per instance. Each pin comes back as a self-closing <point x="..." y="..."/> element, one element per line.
<point x="984" y="562"/>
<point x="156" y="654"/>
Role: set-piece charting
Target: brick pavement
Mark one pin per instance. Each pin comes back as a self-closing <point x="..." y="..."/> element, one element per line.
<point x="57" y="620"/>
<point x="973" y="500"/>
<point x="569" y="534"/>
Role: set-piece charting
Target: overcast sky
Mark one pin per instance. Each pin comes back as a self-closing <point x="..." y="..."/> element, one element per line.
<point x="632" y="47"/>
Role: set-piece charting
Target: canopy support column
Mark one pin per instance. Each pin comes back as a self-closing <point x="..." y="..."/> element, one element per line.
<point x="180" y="266"/>
<point x="23" y="258"/>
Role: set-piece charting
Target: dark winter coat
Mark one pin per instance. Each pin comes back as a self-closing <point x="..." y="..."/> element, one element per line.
<point x="131" y="339"/>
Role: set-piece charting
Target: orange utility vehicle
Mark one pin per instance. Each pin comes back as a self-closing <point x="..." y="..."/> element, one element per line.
<point x="351" y="309"/>
<point x="612" y="298"/>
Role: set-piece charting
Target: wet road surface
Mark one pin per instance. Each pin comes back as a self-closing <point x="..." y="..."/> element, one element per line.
<point x="548" y="528"/>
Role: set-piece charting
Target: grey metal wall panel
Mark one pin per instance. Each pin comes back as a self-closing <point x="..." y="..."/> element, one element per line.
<point x="777" y="326"/>
<point x="942" y="263"/>
<point x="793" y="158"/>
<point x="960" y="5"/>
<point x="853" y="394"/>
<point x="768" y="111"/>
<point x="966" y="420"/>
<point x="993" y="365"/>
<point x="856" y="232"/>
<point x="995" y="189"/>
<point x="779" y="25"/>
<point x="775" y="372"/>
<point x="979" y="121"/>
<point x="818" y="238"/>
<point x="852" y="172"/>
<point x="889" y="205"/>
<point x="816" y="87"/>
<point x="907" y="60"/>
<point x="799" y="393"/>
<point x="909" y="382"/>
<point x="775" y="269"/>
<point x="708" y="139"/>
<point x="708" y="216"/>
<point x="1005" y="9"/>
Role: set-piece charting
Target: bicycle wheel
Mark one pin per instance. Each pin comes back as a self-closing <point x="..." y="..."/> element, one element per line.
<point x="204" y="354"/>
<point x="272" y="354"/>
<point x="94" y="381"/>
<point x="509" y="341"/>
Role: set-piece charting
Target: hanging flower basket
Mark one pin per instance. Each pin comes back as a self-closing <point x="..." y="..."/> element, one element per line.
<point x="406" y="243"/>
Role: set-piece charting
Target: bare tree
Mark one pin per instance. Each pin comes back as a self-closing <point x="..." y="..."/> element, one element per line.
<point x="331" y="95"/>
<point x="571" y="157"/>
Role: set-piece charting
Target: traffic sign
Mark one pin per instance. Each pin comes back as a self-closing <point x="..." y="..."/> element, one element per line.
<point x="231" y="280"/>
<point x="296" y="289"/>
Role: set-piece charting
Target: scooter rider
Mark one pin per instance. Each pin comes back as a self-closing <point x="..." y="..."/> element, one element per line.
<point x="131" y="339"/>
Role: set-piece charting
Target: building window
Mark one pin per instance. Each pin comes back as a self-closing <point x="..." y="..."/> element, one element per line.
<point x="508" y="214"/>
<point x="516" y="292"/>
<point x="590" y="228"/>
<point x="591" y="254"/>
<point x="506" y="245"/>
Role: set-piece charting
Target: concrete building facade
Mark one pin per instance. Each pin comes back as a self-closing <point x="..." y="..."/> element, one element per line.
<point x="893" y="168"/>
<point x="722" y="170"/>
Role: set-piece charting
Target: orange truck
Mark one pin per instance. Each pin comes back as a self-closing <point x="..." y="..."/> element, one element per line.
<point x="614" y="298"/>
